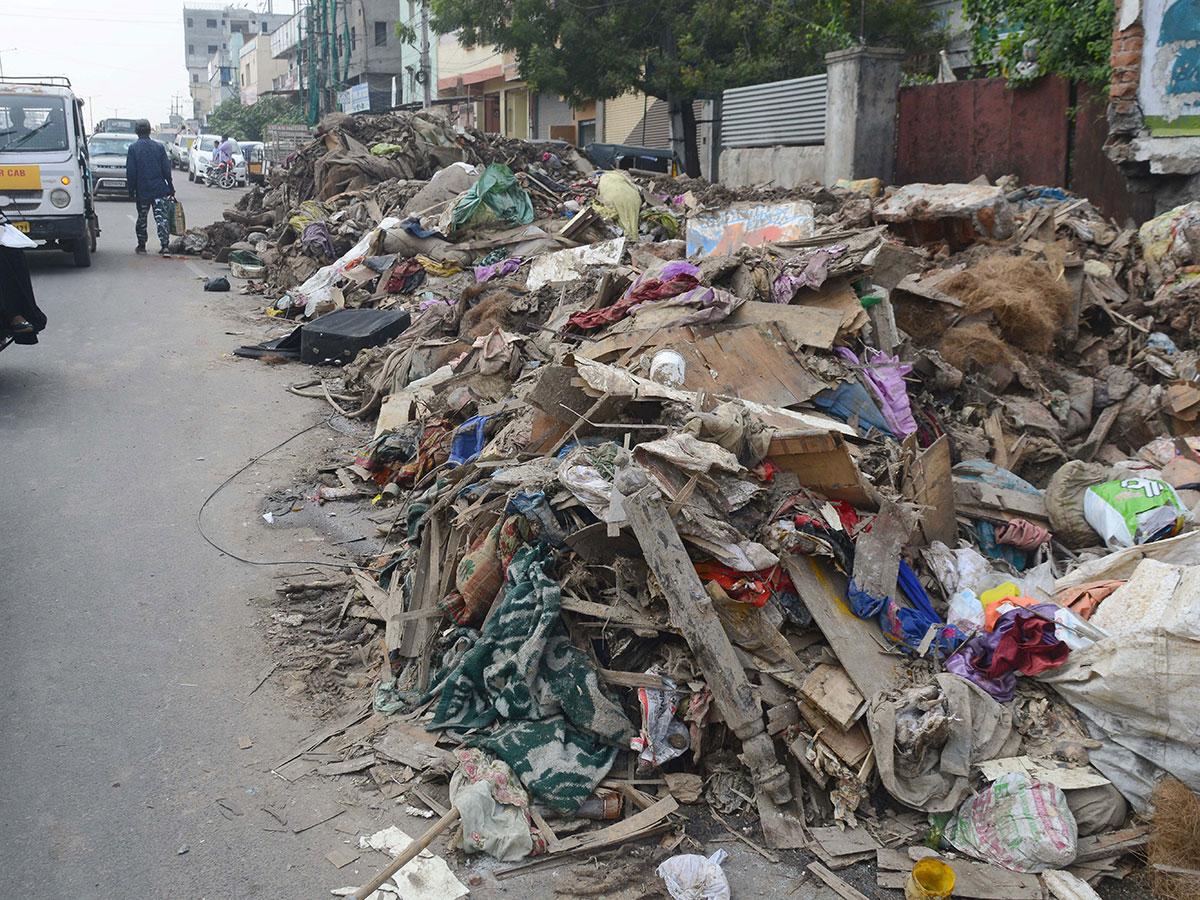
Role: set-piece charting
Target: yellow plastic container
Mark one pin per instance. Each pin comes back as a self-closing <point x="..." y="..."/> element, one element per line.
<point x="930" y="878"/>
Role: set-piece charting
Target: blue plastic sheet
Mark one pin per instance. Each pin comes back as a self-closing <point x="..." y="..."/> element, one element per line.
<point x="902" y="624"/>
<point x="851" y="399"/>
<point x="468" y="441"/>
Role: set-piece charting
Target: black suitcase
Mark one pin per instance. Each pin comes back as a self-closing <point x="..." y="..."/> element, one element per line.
<point x="336" y="338"/>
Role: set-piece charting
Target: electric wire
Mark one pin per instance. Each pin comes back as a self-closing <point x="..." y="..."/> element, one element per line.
<point x="265" y="562"/>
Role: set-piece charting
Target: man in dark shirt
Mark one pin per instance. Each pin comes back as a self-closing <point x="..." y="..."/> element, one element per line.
<point x="148" y="177"/>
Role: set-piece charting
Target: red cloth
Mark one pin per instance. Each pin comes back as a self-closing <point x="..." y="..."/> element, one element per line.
<point x="652" y="289"/>
<point x="1027" y="643"/>
<point x="738" y="585"/>
<point x="1022" y="534"/>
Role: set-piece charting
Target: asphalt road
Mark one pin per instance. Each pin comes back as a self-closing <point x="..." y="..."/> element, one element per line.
<point x="128" y="645"/>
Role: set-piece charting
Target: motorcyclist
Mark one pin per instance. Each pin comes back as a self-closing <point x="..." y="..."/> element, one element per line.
<point x="224" y="152"/>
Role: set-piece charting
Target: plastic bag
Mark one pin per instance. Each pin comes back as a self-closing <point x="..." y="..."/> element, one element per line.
<point x="1018" y="823"/>
<point x="495" y="195"/>
<point x="965" y="612"/>
<point x="691" y="877"/>
<point x="1133" y="511"/>
<point x="177" y="219"/>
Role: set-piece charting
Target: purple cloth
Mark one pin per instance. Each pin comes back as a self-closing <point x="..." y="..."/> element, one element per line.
<point x="504" y="267"/>
<point x="1019" y="641"/>
<point x="317" y="233"/>
<point x="886" y="374"/>
<point x="806" y="270"/>
<point x="665" y="274"/>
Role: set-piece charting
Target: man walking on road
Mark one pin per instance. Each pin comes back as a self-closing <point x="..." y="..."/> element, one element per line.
<point x="148" y="178"/>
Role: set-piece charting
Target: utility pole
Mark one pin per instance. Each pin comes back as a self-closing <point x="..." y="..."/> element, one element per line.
<point x="2" y="52"/>
<point x="426" y="75"/>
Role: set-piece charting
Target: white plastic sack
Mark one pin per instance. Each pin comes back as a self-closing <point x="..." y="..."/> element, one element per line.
<point x="1018" y="823"/>
<point x="1133" y="511"/>
<point x="691" y="877"/>
<point x="1138" y="691"/>
<point x="11" y="236"/>
<point x="319" y="286"/>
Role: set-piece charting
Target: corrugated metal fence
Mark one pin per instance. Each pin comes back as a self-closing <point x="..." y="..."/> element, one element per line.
<point x="780" y="112"/>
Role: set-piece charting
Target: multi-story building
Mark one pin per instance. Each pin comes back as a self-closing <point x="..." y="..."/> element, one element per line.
<point x="207" y="32"/>
<point x="258" y="70"/>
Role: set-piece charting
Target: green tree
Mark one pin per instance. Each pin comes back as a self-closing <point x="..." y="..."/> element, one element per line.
<point x="245" y="123"/>
<point x="678" y="50"/>
<point x="1071" y="38"/>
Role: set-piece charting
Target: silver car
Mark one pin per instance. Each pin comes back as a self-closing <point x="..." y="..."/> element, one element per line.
<point x="107" y="151"/>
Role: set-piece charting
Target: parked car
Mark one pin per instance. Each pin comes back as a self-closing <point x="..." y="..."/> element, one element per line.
<point x="201" y="153"/>
<point x="624" y="156"/>
<point x="177" y="152"/>
<point x="107" y="151"/>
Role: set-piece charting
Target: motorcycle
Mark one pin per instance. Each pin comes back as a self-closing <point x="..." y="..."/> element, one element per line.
<point x="220" y="174"/>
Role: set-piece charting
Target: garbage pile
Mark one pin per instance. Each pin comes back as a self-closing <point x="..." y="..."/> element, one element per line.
<point x="865" y="516"/>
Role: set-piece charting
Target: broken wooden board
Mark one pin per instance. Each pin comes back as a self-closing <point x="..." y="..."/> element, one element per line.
<point x="972" y="880"/>
<point x="803" y="326"/>
<point x="823" y="463"/>
<point x="347" y="766"/>
<point x="783" y="823"/>
<point x="850" y="746"/>
<point x="830" y="690"/>
<point x="856" y="642"/>
<point x="754" y="363"/>
<point x="838" y="885"/>
<point x="1063" y="776"/>
<point x="1113" y="843"/>
<point x="838" y="296"/>
<point x="973" y="497"/>
<point x="927" y="484"/>
<point x="619" y="832"/>
<point x="412" y="745"/>
<point x="837" y="848"/>
<point x="877" y="553"/>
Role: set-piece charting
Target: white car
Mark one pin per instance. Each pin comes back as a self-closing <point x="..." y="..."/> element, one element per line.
<point x="201" y="153"/>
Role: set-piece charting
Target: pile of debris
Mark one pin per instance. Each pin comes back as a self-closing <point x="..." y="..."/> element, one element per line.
<point x="846" y="512"/>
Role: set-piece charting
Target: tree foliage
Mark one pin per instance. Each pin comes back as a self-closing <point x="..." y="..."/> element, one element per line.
<point x="245" y="123"/>
<point x="1071" y="38"/>
<point x="600" y="49"/>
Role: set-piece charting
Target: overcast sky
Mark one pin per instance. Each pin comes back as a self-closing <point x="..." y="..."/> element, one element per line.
<point x="125" y="55"/>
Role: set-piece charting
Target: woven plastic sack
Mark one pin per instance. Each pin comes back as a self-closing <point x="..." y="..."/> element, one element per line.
<point x="1132" y="511"/>
<point x="1018" y="823"/>
<point x="177" y="219"/>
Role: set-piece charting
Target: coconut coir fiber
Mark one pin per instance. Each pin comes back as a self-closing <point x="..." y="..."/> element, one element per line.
<point x="1029" y="303"/>
<point x="1175" y="841"/>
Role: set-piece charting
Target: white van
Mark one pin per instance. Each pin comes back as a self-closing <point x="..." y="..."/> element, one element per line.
<point x="45" y="182"/>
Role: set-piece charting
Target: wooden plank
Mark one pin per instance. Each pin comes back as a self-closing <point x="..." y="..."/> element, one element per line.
<point x="839" y="886"/>
<point x="347" y="766"/>
<point x="317" y="738"/>
<point x="830" y="690"/>
<point x="614" y="615"/>
<point x="782" y="824"/>
<point x="620" y="831"/>
<point x="1099" y="434"/>
<point x="693" y="614"/>
<point x="855" y="641"/>
<point x="838" y="842"/>
<point x="927" y="484"/>
<point x="970" y="495"/>
<point x="830" y="471"/>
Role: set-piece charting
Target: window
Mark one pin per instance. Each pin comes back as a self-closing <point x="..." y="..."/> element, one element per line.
<point x="587" y="131"/>
<point x="381" y="34"/>
<point x="212" y="48"/>
<point x="210" y="23"/>
<point x="264" y="28"/>
<point x="189" y="23"/>
<point x="191" y="49"/>
<point x="353" y="38"/>
<point x="243" y="79"/>
<point x="195" y="77"/>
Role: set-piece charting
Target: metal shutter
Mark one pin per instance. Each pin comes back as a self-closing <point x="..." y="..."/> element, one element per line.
<point x="780" y="112"/>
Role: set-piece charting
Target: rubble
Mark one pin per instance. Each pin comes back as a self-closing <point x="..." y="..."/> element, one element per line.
<point x="771" y="501"/>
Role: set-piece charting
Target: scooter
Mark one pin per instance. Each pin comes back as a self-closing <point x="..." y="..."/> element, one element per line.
<point x="220" y="175"/>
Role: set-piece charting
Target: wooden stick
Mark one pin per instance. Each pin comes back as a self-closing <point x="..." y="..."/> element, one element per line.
<point x="408" y="855"/>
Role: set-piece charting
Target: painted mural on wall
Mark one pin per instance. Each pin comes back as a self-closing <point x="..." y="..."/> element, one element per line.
<point x="1170" y="83"/>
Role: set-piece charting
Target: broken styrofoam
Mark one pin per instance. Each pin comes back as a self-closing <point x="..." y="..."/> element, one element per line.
<point x="426" y="877"/>
<point x="569" y="265"/>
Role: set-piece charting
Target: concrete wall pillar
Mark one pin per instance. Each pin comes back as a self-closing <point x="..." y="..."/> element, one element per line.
<point x="862" y="101"/>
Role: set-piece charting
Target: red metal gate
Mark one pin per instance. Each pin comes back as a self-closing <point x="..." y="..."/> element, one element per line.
<point x="958" y="131"/>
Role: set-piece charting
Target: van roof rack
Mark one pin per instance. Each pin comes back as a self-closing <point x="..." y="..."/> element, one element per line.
<point x="45" y="80"/>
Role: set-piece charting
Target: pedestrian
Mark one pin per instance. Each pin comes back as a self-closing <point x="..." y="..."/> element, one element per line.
<point x="148" y="178"/>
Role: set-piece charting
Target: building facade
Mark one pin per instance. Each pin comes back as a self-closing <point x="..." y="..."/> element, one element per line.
<point x="258" y="70"/>
<point x="208" y="32"/>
